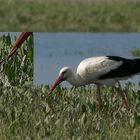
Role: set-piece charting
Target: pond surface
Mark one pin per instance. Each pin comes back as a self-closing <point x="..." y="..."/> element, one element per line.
<point x="52" y="51"/>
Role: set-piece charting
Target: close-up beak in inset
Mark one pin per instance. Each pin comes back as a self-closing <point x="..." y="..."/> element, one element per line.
<point x="19" y="41"/>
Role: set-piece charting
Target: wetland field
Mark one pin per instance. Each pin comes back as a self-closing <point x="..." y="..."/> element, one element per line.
<point x="26" y="112"/>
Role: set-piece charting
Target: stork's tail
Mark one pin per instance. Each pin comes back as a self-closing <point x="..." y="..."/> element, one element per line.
<point x="137" y="65"/>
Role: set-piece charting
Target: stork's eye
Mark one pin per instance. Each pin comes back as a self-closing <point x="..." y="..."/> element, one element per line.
<point x="63" y="72"/>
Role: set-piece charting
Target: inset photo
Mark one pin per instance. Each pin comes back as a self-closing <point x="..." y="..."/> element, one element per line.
<point x="16" y="58"/>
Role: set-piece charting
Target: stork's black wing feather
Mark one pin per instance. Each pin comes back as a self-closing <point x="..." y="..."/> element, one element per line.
<point x="129" y="67"/>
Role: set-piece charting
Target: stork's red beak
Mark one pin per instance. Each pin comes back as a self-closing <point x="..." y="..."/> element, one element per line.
<point x="56" y="83"/>
<point x="19" y="41"/>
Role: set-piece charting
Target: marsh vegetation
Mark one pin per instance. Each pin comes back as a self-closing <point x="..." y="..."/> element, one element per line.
<point x="71" y="15"/>
<point x="27" y="113"/>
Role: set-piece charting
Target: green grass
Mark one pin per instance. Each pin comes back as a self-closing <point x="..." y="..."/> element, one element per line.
<point x="27" y="113"/>
<point x="70" y="15"/>
<point x="136" y="52"/>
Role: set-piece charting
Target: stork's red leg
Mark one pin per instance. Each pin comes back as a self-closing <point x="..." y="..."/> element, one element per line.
<point x="100" y="101"/>
<point x="112" y="94"/>
<point x="121" y="93"/>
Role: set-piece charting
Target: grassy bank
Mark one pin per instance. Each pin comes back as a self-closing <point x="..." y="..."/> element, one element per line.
<point x="70" y="15"/>
<point x="26" y="114"/>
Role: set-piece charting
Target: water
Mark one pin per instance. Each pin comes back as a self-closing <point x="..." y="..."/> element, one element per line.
<point x="55" y="50"/>
<point x="13" y="35"/>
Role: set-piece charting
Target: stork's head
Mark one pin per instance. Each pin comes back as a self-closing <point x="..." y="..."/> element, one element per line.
<point x="64" y="74"/>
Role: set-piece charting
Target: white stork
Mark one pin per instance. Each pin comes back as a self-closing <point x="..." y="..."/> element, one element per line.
<point x="102" y="70"/>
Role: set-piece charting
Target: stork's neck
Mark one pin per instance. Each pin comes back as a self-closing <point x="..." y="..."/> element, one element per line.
<point x="75" y="80"/>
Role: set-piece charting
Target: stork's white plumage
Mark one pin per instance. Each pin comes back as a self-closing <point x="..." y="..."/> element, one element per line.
<point x="103" y="70"/>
